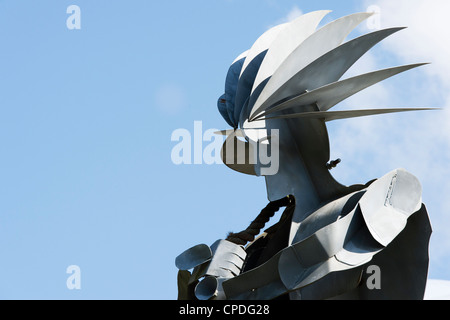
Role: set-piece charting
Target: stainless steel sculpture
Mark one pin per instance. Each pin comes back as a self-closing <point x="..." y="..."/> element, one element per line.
<point x="278" y="94"/>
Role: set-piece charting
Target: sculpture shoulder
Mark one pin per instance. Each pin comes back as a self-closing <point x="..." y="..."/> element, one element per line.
<point x="352" y="231"/>
<point x="389" y="202"/>
<point x="385" y="204"/>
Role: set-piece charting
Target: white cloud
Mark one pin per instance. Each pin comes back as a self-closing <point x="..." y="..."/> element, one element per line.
<point x="419" y="142"/>
<point x="427" y="35"/>
<point x="437" y="290"/>
<point x="293" y="14"/>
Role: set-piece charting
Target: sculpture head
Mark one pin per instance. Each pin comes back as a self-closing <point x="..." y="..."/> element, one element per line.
<point x="280" y="92"/>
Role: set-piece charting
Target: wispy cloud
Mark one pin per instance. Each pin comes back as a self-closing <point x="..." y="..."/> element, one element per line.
<point x="437" y="290"/>
<point x="293" y="14"/>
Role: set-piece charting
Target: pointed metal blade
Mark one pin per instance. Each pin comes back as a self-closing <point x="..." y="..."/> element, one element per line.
<point x="347" y="114"/>
<point x="328" y="96"/>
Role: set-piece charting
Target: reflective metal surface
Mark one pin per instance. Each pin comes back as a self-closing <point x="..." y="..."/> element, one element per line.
<point x="342" y="245"/>
<point x="288" y="81"/>
<point x="193" y="257"/>
<point x="340" y="115"/>
<point x="293" y="35"/>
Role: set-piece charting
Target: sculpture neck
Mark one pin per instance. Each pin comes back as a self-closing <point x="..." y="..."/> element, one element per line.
<point x="293" y="178"/>
<point x="303" y="151"/>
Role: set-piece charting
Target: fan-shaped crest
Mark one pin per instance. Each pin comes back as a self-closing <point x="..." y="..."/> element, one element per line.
<point x="296" y="65"/>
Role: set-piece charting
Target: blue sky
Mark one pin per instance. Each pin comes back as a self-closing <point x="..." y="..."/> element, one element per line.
<point x="86" y="118"/>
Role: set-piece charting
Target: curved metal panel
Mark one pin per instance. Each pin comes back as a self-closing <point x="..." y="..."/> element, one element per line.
<point x="255" y="57"/>
<point x="262" y="44"/>
<point x="246" y="83"/>
<point x="231" y="85"/>
<point x="222" y="106"/>
<point x="193" y="257"/>
<point x="287" y="41"/>
<point x="388" y="204"/>
<point x="236" y="155"/>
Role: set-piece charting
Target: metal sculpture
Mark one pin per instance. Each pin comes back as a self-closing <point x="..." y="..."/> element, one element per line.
<point x="278" y="95"/>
